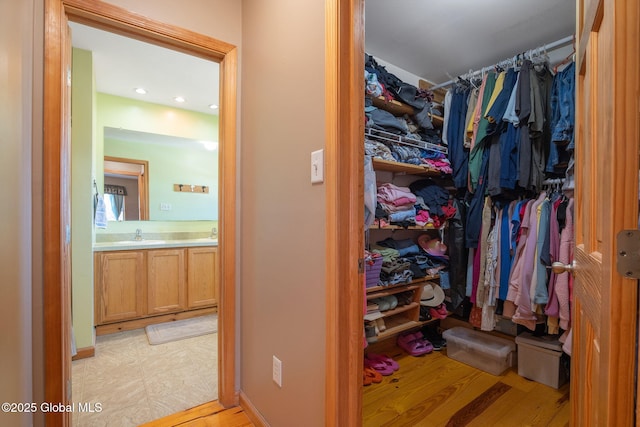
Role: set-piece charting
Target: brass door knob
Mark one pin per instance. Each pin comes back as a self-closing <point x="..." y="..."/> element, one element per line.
<point x="558" y="268"/>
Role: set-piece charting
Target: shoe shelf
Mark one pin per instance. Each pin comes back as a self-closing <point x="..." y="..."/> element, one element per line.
<point x="395" y="326"/>
<point x="426" y="322"/>
<point x="395" y="290"/>
<point x="399" y="309"/>
<point x="400" y="287"/>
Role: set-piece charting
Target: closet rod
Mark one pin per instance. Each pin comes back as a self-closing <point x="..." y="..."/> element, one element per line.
<point x="550" y="46"/>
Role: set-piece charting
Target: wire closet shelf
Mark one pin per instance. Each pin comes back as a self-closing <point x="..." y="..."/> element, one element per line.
<point x="387" y="137"/>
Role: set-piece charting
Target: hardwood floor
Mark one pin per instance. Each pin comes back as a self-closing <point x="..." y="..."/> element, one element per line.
<point x="434" y="390"/>
<point x="428" y="391"/>
<point x="208" y="415"/>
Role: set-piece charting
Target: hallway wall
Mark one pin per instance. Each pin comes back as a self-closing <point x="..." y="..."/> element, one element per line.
<point x="21" y="80"/>
<point x="283" y="214"/>
<point x="281" y="217"/>
<point x="20" y="266"/>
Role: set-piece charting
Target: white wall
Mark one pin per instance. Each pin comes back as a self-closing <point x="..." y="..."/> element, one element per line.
<point x="283" y="214"/>
<point x="17" y="138"/>
<point x="281" y="295"/>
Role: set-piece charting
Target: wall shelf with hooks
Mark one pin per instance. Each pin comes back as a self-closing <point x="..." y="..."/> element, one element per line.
<point x="190" y="188"/>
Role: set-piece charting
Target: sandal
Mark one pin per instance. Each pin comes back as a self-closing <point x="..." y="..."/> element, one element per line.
<point x="380" y="367"/>
<point x="414" y="344"/>
<point x="383" y="359"/>
<point x="370" y="375"/>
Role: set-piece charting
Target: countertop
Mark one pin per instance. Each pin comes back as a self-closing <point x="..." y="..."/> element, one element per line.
<point x="124" y="245"/>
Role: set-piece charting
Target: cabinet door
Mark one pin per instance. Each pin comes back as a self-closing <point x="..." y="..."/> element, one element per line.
<point x="202" y="280"/>
<point x="166" y="281"/>
<point x="120" y="286"/>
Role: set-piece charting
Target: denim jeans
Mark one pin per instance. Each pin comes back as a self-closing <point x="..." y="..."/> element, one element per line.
<point x="563" y="116"/>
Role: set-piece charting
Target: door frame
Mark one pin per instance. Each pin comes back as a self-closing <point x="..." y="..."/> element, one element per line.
<point x="118" y="20"/>
<point x="344" y="129"/>
<point x="344" y="180"/>
<point x="141" y="178"/>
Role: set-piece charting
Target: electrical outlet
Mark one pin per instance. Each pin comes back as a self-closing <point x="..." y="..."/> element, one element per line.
<point x="277" y="371"/>
<point x="165" y="206"/>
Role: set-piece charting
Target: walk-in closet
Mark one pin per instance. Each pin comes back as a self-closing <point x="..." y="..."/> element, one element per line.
<point x="469" y="212"/>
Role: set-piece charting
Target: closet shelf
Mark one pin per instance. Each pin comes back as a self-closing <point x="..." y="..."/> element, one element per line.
<point x="400" y="287"/>
<point x="399" y="227"/>
<point x="404" y="168"/>
<point x="385" y="292"/>
<point x="399" y="309"/>
<point x="396" y="325"/>
<point x="399" y="109"/>
<point x="388" y="137"/>
<point x="396" y="108"/>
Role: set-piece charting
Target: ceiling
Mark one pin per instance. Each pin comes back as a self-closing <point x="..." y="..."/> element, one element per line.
<point x="438" y="39"/>
<point x="435" y="40"/>
<point x="122" y="64"/>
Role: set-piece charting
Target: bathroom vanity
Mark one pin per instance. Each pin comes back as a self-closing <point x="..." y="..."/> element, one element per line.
<point x="141" y="282"/>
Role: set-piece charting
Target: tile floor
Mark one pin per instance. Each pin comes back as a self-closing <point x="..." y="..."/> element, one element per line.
<point x="136" y="382"/>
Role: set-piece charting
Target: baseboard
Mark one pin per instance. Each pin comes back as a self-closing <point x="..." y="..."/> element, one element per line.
<point x="130" y="325"/>
<point x="251" y="411"/>
<point x="84" y="352"/>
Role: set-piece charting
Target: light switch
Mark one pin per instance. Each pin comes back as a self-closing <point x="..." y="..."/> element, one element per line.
<point x="317" y="166"/>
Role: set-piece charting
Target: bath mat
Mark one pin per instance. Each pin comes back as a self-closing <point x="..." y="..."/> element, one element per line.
<point x="180" y="329"/>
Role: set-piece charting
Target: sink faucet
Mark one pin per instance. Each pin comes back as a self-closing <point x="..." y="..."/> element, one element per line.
<point x="138" y="234"/>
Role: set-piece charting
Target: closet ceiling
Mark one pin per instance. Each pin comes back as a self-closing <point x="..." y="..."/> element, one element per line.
<point x="440" y="39"/>
<point x="433" y="39"/>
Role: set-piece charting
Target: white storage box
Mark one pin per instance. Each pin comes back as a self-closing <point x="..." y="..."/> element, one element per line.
<point x="539" y="360"/>
<point x="479" y="349"/>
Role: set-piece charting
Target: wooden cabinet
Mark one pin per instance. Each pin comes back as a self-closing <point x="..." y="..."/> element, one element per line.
<point x="140" y="287"/>
<point x="165" y="281"/>
<point x="202" y="287"/>
<point x="120" y="282"/>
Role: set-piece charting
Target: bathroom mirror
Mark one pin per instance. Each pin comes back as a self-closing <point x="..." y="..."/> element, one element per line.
<point x="148" y="167"/>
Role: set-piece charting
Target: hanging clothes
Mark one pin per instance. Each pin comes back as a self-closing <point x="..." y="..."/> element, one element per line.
<point x="458" y="154"/>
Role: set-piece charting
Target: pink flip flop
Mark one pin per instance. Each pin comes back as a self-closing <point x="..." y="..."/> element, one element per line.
<point x="381" y="367"/>
<point x="383" y="359"/>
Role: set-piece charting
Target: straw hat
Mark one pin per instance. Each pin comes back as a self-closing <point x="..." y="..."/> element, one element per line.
<point x="432" y="295"/>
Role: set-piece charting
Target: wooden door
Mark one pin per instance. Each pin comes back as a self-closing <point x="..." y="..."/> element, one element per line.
<point x="604" y="302"/>
<point x="202" y="274"/>
<point x="120" y="286"/>
<point x="166" y="281"/>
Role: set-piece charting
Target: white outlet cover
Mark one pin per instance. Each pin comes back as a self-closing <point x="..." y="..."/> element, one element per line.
<point x="277" y="371"/>
<point x="317" y="166"/>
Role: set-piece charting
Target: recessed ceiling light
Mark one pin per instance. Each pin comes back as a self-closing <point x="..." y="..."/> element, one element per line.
<point x="141" y="90"/>
<point x="179" y="99"/>
<point x="213" y="106"/>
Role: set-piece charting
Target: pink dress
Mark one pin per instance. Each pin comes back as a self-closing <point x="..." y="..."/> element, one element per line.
<point x="565" y="280"/>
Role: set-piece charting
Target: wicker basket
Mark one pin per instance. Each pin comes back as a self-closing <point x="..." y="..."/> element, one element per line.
<point x="372" y="271"/>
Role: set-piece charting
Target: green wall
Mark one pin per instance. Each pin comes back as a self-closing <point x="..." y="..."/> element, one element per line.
<point x="82" y="131"/>
<point x="169" y="165"/>
<point x="91" y="112"/>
